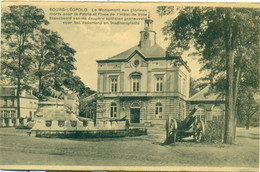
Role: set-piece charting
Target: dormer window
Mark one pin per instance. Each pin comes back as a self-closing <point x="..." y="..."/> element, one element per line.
<point x="5" y="101"/>
<point x="12" y="102"/>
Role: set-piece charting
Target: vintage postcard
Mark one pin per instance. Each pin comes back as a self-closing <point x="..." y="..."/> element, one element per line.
<point x="129" y="86"/>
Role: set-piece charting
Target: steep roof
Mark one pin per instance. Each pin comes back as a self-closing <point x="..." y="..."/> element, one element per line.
<point x="203" y="96"/>
<point x="11" y="91"/>
<point x="155" y="51"/>
<point x="7" y="91"/>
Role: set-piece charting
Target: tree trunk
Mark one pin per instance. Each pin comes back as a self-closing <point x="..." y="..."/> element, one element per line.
<point x="247" y="122"/>
<point x="55" y="80"/>
<point x="231" y="30"/>
<point x="40" y="88"/>
<point x="40" y="72"/>
<point x="236" y="86"/>
<point x="19" y="84"/>
<point x="229" y="134"/>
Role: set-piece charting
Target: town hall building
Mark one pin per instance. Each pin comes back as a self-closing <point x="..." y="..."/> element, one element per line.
<point x="142" y="83"/>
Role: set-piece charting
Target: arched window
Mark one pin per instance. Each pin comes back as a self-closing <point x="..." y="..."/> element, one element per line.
<point x="158" y="110"/>
<point x="216" y="113"/>
<point x="113" y="110"/>
<point x="135" y="105"/>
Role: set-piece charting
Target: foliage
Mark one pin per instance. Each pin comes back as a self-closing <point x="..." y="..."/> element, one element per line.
<point x="18" y="24"/>
<point x="214" y="131"/>
<point x="36" y="57"/>
<point x="42" y="61"/>
<point x="88" y="106"/>
<point x="227" y="40"/>
<point x="193" y="87"/>
<point x="248" y="107"/>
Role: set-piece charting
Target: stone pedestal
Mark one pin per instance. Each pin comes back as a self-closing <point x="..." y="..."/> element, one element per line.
<point x="9" y="122"/>
<point x="17" y="122"/>
<point x="2" y="122"/>
<point x="25" y="121"/>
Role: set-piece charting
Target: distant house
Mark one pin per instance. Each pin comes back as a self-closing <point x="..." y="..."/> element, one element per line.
<point x="8" y="106"/>
<point x="8" y="103"/>
<point x="211" y="106"/>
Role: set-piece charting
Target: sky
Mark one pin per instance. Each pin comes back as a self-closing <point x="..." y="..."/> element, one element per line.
<point x="96" y="42"/>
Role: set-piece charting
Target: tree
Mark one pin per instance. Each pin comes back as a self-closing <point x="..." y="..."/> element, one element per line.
<point x="75" y="84"/>
<point x="193" y="87"/>
<point x="220" y="35"/>
<point x="42" y="47"/>
<point x="36" y="57"/>
<point x="88" y="106"/>
<point x="247" y="106"/>
<point x="55" y="61"/>
<point x="18" y="24"/>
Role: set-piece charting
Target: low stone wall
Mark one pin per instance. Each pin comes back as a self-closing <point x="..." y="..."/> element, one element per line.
<point x="154" y="121"/>
<point x="83" y="134"/>
<point x="55" y="125"/>
<point x="110" y="125"/>
<point x="13" y="122"/>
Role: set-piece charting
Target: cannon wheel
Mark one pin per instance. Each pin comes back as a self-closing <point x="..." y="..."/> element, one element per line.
<point x="171" y="130"/>
<point x="199" y="132"/>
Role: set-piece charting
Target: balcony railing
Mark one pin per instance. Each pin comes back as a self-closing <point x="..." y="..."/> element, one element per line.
<point x="139" y="94"/>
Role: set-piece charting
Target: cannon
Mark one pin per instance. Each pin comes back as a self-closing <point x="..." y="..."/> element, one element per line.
<point x="190" y="126"/>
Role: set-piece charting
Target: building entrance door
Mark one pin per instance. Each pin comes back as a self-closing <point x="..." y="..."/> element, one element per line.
<point x="135" y="115"/>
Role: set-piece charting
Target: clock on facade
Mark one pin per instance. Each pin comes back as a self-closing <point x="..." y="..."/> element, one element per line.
<point x="146" y="35"/>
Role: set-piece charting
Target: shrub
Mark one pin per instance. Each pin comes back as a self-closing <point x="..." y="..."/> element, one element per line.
<point x="23" y="127"/>
<point x="214" y="131"/>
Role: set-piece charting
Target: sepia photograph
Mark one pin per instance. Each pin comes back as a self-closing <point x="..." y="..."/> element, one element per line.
<point x="129" y="86"/>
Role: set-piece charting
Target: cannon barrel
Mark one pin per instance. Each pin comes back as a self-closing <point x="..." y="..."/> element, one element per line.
<point x="186" y="123"/>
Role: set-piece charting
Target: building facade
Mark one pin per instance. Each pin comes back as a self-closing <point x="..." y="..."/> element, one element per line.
<point x="143" y="83"/>
<point x="211" y="106"/>
<point x="8" y="104"/>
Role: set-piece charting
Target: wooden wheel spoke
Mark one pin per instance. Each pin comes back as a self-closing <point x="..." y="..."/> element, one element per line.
<point x="199" y="132"/>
